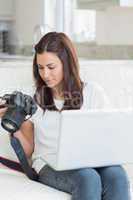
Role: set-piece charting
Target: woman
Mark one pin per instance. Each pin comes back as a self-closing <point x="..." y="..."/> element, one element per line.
<point x="59" y="87"/>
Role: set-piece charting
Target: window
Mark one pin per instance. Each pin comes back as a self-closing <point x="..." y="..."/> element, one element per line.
<point x="84" y="22"/>
<point x="63" y="16"/>
<point x="79" y="24"/>
<point x="48" y="21"/>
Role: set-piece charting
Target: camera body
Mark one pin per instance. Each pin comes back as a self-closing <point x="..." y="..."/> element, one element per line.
<point x="19" y="107"/>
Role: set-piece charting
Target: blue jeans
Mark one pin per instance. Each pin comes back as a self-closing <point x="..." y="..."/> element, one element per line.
<point x="105" y="183"/>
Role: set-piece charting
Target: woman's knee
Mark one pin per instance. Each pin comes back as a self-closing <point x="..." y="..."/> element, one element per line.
<point x="114" y="175"/>
<point x="88" y="176"/>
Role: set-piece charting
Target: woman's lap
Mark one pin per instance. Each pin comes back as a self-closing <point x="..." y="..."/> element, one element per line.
<point x="58" y="179"/>
<point x="101" y="178"/>
<point x="65" y="180"/>
<point x="114" y="182"/>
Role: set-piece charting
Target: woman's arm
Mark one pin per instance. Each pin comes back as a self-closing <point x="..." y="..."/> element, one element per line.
<point x="3" y="109"/>
<point x="26" y="137"/>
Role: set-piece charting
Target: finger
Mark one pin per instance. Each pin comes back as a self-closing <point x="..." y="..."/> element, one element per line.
<point x="2" y="101"/>
<point x="2" y="106"/>
<point x="3" y="110"/>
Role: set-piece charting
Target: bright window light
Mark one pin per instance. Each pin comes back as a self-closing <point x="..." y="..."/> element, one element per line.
<point x="84" y="25"/>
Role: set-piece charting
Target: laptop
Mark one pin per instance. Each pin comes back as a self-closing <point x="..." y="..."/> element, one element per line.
<point x="94" y="138"/>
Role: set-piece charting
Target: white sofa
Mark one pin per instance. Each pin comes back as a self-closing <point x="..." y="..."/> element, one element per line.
<point x="15" y="185"/>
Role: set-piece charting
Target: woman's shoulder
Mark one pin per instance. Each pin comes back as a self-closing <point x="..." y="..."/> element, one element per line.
<point x="92" y="85"/>
<point x="96" y="94"/>
<point x="92" y="88"/>
<point x="38" y="114"/>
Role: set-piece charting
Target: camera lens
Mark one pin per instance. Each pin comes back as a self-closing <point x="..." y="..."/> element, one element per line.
<point x="13" y="119"/>
<point x="9" y="125"/>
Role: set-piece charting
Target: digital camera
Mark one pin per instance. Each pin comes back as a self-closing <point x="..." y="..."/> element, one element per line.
<point x="19" y="107"/>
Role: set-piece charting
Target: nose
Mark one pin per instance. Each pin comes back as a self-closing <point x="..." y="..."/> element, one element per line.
<point x="46" y="74"/>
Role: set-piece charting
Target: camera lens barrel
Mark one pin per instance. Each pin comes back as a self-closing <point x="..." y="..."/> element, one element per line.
<point x="13" y="119"/>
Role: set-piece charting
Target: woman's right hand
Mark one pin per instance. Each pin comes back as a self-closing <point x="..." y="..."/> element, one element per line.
<point x="2" y="108"/>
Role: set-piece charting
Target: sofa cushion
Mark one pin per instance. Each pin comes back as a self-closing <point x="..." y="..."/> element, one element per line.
<point x="15" y="185"/>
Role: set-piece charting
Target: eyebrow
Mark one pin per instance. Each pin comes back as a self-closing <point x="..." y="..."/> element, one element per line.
<point x="49" y="64"/>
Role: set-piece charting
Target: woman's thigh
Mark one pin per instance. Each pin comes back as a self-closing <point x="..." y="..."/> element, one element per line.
<point x="113" y="174"/>
<point x="115" y="183"/>
<point x="61" y="180"/>
<point x="67" y="180"/>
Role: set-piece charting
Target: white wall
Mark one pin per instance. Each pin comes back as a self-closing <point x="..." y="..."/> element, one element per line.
<point x="115" y="26"/>
<point x="6" y="9"/>
<point x="27" y="15"/>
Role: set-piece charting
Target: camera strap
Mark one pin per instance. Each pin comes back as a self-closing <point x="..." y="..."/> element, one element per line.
<point x="27" y="169"/>
<point x="11" y="164"/>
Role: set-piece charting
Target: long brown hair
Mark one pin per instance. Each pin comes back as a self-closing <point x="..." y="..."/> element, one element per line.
<point x="62" y="46"/>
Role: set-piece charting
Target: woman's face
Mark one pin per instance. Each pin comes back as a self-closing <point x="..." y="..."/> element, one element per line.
<point x="50" y="69"/>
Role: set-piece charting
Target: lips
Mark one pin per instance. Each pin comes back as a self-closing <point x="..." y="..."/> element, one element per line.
<point x="48" y="82"/>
